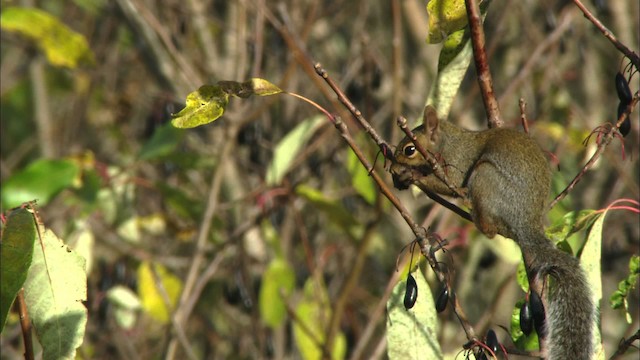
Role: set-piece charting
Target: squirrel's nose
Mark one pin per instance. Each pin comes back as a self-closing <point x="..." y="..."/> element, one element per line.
<point x="399" y="175"/>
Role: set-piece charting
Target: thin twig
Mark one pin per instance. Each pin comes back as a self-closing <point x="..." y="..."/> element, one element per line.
<point x="304" y="327"/>
<point x="462" y="317"/>
<point x="374" y="317"/>
<point x="178" y="328"/>
<point x="173" y="75"/>
<point x="198" y="18"/>
<point x="47" y="134"/>
<point x="396" y="44"/>
<point x="624" y="345"/>
<point x="384" y="147"/>
<point x="605" y="140"/>
<point x="635" y="59"/>
<point x="441" y="273"/>
<point x="352" y="279"/>
<point x="386" y="150"/>
<point x="346" y="135"/>
<point x="204" y="278"/>
<point x="25" y="324"/>
<point x="563" y="26"/>
<point x="258" y="48"/>
<point x="185" y="68"/>
<point x="182" y="313"/>
<point x="295" y="42"/>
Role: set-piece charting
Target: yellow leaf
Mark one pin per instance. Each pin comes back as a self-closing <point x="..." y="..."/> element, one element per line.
<point x="445" y="17"/>
<point x="151" y="297"/>
<point x="202" y="107"/>
<point x="61" y="45"/>
<point x="262" y="87"/>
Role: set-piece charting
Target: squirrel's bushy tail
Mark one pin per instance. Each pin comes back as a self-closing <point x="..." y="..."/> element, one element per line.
<point x="570" y="311"/>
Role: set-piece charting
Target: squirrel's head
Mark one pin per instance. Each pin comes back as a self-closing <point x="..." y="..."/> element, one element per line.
<point x="410" y="165"/>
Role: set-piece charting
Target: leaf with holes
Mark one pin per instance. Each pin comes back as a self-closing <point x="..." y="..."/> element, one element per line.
<point x="209" y="101"/>
<point x="202" y="107"/>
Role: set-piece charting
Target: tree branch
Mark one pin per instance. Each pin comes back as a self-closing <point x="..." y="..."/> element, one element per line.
<point x="482" y="65"/>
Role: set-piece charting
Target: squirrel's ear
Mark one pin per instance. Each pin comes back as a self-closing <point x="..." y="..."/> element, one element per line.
<point x="430" y="122"/>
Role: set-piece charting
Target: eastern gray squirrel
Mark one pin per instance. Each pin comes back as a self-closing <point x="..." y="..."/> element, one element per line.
<point x="506" y="181"/>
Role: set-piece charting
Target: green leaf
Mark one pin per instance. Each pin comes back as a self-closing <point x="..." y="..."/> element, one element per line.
<point x="278" y="279"/>
<point x="271" y="238"/>
<point x="619" y="297"/>
<point x="521" y="277"/>
<point x="16" y="251"/>
<point x="314" y="313"/>
<point x="177" y="199"/>
<point x="202" y="107"/>
<point x="413" y="333"/>
<point x="54" y="291"/>
<point x="41" y="181"/>
<point x="332" y="208"/>
<point x="91" y="183"/>
<point x="151" y="298"/>
<point x="360" y="179"/>
<point x="570" y="224"/>
<point x="453" y="63"/>
<point x="164" y="142"/>
<point x="61" y="45"/>
<point x="289" y="146"/>
<point x="445" y="18"/>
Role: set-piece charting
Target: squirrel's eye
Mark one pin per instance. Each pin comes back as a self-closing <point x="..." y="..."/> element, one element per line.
<point x="409" y="150"/>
